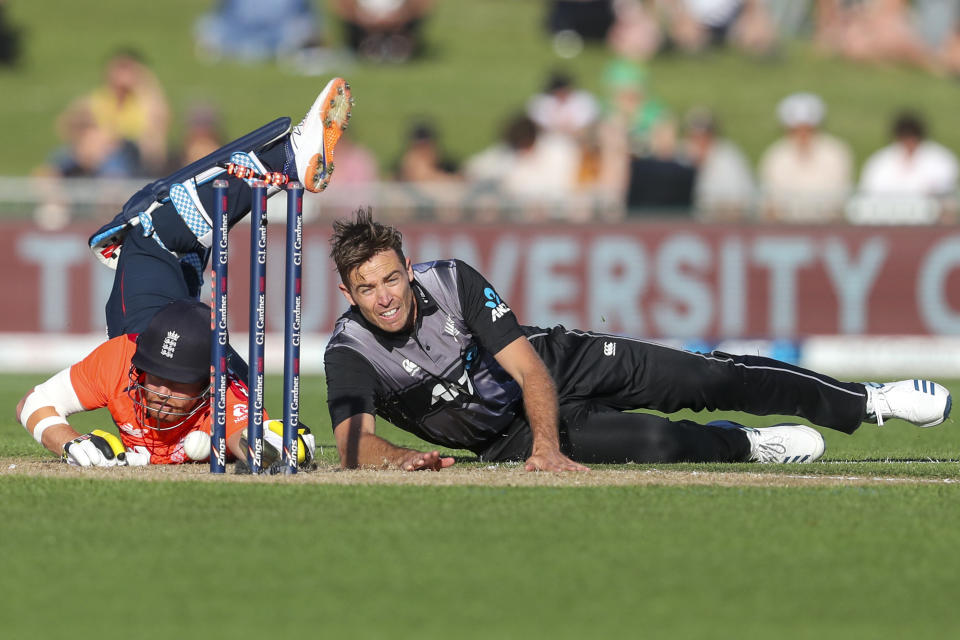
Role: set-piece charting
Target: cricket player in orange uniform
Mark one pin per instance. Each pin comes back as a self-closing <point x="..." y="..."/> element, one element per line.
<point x="153" y="375"/>
<point x="155" y="386"/>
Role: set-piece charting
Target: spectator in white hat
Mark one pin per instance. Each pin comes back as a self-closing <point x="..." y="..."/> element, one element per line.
<point x="806" y="175"/>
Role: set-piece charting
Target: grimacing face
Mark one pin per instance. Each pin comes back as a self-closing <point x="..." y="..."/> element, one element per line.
<point x="380" y="288"/>
<point x="168" y="401"/>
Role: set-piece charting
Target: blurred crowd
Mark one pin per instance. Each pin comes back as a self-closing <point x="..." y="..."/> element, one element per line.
<point x="923" y="33"/>
<point x="572" y="156"/>
<point x="568" y="154"/>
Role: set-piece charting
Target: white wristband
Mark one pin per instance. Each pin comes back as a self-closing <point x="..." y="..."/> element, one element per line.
<point x="44" y="424"/>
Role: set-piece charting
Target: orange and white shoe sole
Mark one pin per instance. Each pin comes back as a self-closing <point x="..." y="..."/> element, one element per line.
<point x="335" y="115"/>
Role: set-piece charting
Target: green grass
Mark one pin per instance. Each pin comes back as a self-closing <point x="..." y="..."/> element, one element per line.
<point x="119" y="559"/>
<point x="193" y="560"/>
<point x="485" y="59"/>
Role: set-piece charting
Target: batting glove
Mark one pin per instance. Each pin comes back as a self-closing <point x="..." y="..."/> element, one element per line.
<point x="306" y="444"/>
<point x="137" y="457"/>
<point x="100" y="448"/>
<point x="273" y="444"/>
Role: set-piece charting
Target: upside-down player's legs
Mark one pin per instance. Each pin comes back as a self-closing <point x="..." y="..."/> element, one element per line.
<point x="622" y="374"/>
<point x="174" y="232"/>
<point x="175" y="213"/>
<point x="148" y="275"/>
<point x="147" y="279"/>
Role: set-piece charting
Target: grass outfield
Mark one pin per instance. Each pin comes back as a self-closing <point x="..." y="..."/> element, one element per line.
<point x="859" y="546"/>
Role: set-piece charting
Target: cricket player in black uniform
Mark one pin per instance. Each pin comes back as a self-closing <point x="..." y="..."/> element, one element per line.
<point x="433" y="349"/>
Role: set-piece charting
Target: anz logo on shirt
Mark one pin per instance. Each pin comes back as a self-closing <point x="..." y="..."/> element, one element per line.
<point x="499" y="308"/>
<point x="449" y="392"/>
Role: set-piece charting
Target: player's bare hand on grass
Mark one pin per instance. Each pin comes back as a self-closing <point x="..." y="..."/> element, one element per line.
<point x="553" y="461"/>
<point x="425" y="461"/>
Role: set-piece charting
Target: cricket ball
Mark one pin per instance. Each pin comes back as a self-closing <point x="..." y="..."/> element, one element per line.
<point x="196" y="445"/>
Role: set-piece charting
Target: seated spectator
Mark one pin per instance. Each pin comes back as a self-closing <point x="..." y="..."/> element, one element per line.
<point x="254" y="30"/>
<point x="911" y="180"/>
<point x="589" y="19"/>
<point x="935" y="21"/>
<point x="90" y="150"/>
<point x="632" y="104"/>
<point x="695" y="25"/>
<point x="635" y="34"/>
<point x="563" y="109"/>
<point x="532" y="168"/>
<point x="806" y="175"/>
<point x="203" y="135"/>
<point x="876" y="31"/>
<point x="632" y="115"/>
<point x="130" y="105"/>
<point x="9" y="39"/>
<point x="382" y="31"/>
<point x="949" y="51"/>
<point x="571" y="22"/>
<point x="423" y="159"/>
<point x="661" y="183"/>
<point x="723" y="187"/>
<point x="429" y="175"/>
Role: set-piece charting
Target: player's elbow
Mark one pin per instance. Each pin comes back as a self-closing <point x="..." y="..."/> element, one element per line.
<point x="20" y="405"/>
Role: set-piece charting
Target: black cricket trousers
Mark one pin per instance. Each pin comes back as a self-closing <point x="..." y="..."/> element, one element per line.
<point x="601" y="377"/>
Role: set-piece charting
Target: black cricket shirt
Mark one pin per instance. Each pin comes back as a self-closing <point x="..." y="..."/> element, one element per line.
<point x="439" y="381"/>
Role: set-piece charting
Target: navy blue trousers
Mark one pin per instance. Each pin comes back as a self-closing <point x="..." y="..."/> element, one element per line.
<point x="148" y="277"/>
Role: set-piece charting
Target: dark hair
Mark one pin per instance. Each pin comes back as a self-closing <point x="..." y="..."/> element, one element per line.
<point x="355" y="241"/>
<point x="520" y="132"/>
<point x="128" y="53"/>
<point x="558" y="80"/>
<point x="422" y="131"/>
<point x="702" y="119"/>
<point x="909" y="124"/>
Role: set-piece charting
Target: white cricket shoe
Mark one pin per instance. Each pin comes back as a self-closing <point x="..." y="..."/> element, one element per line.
<point x="314" y="139"/>
<point x="922" y="402"/>
<point x="785" y="443"/>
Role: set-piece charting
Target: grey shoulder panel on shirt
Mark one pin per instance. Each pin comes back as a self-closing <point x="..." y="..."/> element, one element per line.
<point x="439" y="279"/>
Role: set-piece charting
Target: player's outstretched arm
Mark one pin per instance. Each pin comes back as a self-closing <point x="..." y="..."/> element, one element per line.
<point x="44" y="423"/>
<point x="540" y="403"/>
<point x="42" y="411"/>
<point x="359" y="446"/>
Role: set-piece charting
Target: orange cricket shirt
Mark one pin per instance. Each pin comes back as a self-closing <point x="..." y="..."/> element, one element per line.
<point x="100" y="380"/>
